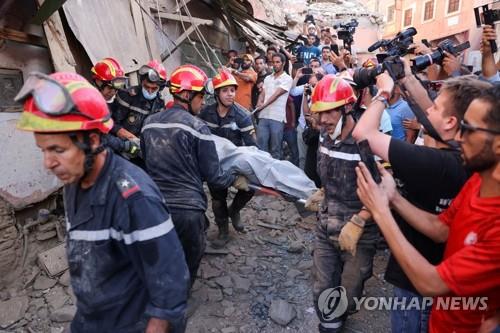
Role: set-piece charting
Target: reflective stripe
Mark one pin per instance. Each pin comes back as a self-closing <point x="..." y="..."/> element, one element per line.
<point x="248" y="128"/>
<point x="331" y="325"/>
<point x="211" y="125"/>
<point x="186" y="128"/>
<point x="340" y="155"/>
<point x="135" y="236"/>
<point x="133" y="108"/>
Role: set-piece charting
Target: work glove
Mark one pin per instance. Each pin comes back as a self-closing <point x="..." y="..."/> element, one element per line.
<point x="132" y="147"/>
<point x="350" y="234"/>
<point x="313" y="202"/>
<point x="241" y="183"/>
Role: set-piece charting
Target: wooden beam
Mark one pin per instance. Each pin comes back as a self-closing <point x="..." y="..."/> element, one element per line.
<point x="22" y="37"/>
<point x="178" y="8"/>
<point x="178" y="42"/>
<point x="182" y="18"/>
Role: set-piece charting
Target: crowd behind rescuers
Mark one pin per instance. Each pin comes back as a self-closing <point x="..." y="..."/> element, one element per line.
<point x="133" y="170"/>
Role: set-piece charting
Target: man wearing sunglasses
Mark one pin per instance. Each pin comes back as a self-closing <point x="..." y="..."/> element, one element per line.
<point x="180" y="155"/>
<point x="429" y="176"/>
<point x="132" y="106"/>
<point x="470" y="227"/>
<point x="126" y="263"/>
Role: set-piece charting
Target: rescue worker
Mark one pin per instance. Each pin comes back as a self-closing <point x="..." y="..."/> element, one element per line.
<point x="180" y="154"/>
<point x="341" y="213"/>
<point x="108" y="77"/>
<point x="228" y="120"/>
<point x="126" y="263"/>
<point x="132" y="106"/>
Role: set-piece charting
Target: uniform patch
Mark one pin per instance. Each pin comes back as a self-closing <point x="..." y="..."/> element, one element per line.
<point x="127" y="187"/>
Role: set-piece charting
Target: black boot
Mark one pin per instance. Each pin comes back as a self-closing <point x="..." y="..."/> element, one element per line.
<point x="239" y="201"/>
<point x="223" y="237"/>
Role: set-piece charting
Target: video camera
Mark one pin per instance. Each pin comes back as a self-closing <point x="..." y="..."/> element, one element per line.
<point x="422" y="62"/>
<point x="364" y="77"/>
<point x="345" y="31"/>
<point x="398" y="46"/>
<point x="485" y="15"/>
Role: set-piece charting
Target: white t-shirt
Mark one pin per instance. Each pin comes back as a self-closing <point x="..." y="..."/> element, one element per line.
<point x="276" y="110"/>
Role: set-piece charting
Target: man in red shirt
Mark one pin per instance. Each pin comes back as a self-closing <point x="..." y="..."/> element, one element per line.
<point x="470" y="228"/>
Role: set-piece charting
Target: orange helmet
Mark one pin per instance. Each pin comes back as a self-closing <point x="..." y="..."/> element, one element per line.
<point x="188" y="77"/>
<point x="331" y="93"/>
<point x="107" y="69"/>
<point x="62" y="102"/>
<point x="224" y="79"/>
<point x="154" y="71"/>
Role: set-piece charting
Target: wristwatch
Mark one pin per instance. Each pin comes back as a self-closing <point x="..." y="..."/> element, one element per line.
<point x="383" y="96"/>
<point x="355" y="219"/>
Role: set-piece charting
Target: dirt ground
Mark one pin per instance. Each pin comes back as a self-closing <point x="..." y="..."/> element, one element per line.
<point x="235" y="290"/>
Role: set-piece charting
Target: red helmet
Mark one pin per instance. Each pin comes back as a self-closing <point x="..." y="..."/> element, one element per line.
<point x="188" y="77"/>
<point x="62" y="102"/>
<point x="155" y="71"/>
<point x="107" y="69"/>
<point x="224" y="79"/>
<point x="331" y="93"/>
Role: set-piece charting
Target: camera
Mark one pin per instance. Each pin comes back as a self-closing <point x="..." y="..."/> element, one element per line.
<point x="345" y="31"/>
<point x="364" y="77"/>
<point x="422" y="62"/>
<point x="398" y="46"/>
<point x="485" y="15"/>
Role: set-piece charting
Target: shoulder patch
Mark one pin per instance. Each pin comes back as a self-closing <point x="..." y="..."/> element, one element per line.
<point x="127" y="186"/>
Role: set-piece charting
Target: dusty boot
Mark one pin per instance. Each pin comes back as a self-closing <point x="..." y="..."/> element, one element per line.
<point x="223" y="236"/>
<point x="240" y="200"/>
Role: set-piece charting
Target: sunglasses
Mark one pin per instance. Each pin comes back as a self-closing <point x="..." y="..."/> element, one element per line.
<point x="150" y="73"/>
<point x="50" y="96"/>
<point x="465" y="127"/>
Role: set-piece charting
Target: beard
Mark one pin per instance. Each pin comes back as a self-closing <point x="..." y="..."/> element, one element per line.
<point x="483" y="160"/>
<point x="244" y="66"/>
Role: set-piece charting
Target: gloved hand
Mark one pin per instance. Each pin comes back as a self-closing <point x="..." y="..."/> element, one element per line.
<point x="313" y="202"/>
<point x="350" y="234"/>
<point x="132" y="148"/>
<point x="241" y="183"/>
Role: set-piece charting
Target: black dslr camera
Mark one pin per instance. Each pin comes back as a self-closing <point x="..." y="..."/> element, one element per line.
<point x="398" y="46"/>
<point x="364" y="77"/>
<point x="345" y="31"/>
<point x="422" y="62"/>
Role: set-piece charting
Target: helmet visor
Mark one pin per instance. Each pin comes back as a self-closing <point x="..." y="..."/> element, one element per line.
<point x="150" y="73"/>
<point x="50" y="96"/>
<point x="209" y="87"/>
<point x="119" y="83"/>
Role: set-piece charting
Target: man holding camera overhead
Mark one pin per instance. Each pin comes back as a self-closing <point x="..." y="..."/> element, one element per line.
<point x="246" y="77"/>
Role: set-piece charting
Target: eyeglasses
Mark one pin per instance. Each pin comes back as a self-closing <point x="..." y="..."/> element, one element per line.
<point x="465" y="127"/>
<point x="50" y="96"/>
<point x="117" y="83"/>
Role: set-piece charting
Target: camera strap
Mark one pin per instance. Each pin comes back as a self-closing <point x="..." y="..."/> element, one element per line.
<point x="422" y="119"/>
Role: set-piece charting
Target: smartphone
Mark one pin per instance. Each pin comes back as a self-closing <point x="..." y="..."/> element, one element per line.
<point x="368" y="159"/>
<point x="307" y="71"/>
<point x="335" y="49"/>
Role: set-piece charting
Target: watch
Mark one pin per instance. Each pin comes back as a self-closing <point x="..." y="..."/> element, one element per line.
<point x="382" y="99"/>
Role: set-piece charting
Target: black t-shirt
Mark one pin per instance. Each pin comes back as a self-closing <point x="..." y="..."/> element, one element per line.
<point x="430" y="179"/>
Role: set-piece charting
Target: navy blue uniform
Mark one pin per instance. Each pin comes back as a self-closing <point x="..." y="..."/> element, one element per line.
<point x="180" y="154"/>
<point x="125" y="259"/>
<point x="337" y="160"/>
<point x="236" y="126"/>
<point x="130" y="108"/>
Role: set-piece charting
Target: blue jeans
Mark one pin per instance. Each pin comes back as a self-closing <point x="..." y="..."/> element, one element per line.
<point x="270" y="136"/>
<point x="290" y="137"/>
<point x="409" y="321"/>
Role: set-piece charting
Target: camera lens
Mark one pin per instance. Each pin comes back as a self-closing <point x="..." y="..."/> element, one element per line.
<point x="422" y="62"/>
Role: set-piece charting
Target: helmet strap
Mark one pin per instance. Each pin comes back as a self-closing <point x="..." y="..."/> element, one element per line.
<point x="86" y="147"/>
<point x="187" y="101"/>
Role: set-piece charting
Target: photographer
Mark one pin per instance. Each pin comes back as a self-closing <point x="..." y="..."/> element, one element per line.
<point x="246" y="78"/>
<point x="326" y="63"/>
<point x="430" y="177"/>
<point x="488" y="68"/>
<point x="469" y="227"/>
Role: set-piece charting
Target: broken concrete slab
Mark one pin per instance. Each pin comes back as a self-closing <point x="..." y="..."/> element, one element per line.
<point x="224" y="281"/>
<point x="64" y="314"/>
<point x="13" y="310"/>
<point x="42" y="282"/>
<point x="208" y="272"/>
<point x="54" y="261"/>
<point x="241" y="285"/>
<point x="65" y="279"/>
<point x="281" y="312"/>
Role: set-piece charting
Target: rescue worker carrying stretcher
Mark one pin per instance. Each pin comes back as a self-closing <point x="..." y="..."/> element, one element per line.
<point x="228" y="120"/>
<point x="180" y="154"/>
<point x="108" y="77"/>
<point x="126" y="263"/>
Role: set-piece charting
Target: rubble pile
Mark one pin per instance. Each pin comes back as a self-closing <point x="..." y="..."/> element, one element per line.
<point x="260" y="282"/>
